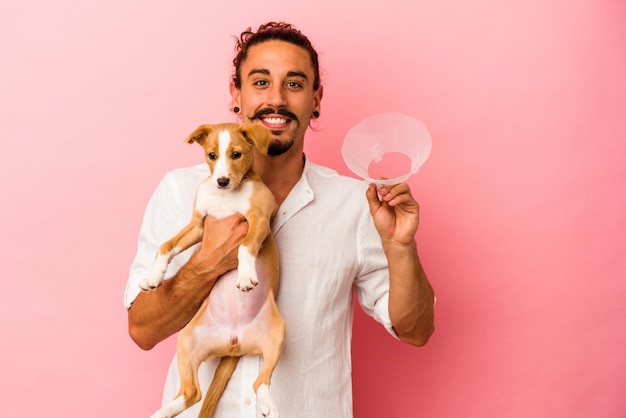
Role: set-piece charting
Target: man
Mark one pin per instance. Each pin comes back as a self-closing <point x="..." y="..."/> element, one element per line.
<point x="333" y="235"/>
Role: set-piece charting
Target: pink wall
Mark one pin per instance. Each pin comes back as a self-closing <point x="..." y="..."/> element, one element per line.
<point x="523" y="205"/>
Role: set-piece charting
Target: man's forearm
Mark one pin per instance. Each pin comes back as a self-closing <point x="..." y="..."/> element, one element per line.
<point x="157" y="314"/>
<point x="411" y="297"/>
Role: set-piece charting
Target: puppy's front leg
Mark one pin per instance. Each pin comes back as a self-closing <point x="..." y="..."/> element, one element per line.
<point x="258" y="230"/>
<point x="188" y="236"/>
<point x="247" y="276"/>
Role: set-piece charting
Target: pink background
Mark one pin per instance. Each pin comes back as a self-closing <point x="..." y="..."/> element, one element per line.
<point x="523" y="198"/>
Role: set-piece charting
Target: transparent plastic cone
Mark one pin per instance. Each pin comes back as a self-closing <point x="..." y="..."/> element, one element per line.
<point x="386" y="148"/>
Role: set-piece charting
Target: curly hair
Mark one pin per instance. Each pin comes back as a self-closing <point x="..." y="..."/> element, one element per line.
<point x="280" y="31"/>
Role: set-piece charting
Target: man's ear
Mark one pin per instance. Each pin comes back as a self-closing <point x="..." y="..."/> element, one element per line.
<point x="234" y="95"/>
<point x="257" y="135"/>
<point x="199" y="135"/>
<point x="318" y="96"/>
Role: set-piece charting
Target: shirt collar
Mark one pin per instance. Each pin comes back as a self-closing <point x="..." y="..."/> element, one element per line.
<point x="299" y="197"/>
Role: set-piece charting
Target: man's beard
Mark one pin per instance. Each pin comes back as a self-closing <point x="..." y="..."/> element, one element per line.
<point x="278" y="148"/>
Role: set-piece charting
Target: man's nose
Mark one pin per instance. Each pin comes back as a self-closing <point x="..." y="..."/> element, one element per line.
<point x="276" y="96"/>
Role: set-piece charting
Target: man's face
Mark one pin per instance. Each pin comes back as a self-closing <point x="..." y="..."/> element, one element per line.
<point x="277" y="92"/>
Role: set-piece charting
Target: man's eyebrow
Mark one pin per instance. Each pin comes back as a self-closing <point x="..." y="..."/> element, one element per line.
<point x="265" y="71"/>
<point x="258" y="71"/>
<point x="297" y="74"/>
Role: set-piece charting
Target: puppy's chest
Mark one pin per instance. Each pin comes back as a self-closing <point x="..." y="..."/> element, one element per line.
<point x="220" y="203"/>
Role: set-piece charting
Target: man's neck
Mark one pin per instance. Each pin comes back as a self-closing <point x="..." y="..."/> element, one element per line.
<point x="280" y="173"/>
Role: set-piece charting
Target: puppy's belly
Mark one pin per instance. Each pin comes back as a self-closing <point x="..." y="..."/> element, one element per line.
<point x="230" y="307"/>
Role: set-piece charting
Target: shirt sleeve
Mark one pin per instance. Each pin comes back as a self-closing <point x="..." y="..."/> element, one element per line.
<point x="168" y="210"/>
<point x="372" y="281"/>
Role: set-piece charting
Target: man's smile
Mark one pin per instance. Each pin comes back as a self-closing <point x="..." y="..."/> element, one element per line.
<point x="274" y="119"/>
<point x="273" y="122"/>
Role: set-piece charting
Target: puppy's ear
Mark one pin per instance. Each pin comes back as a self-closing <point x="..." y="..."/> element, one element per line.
<point x="199" y="135"/>
<point x="257" y="135"/>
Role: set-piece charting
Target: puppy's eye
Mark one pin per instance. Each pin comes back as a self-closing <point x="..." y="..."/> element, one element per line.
<point x="236" y="155"/>
<point x="211" y="156"/>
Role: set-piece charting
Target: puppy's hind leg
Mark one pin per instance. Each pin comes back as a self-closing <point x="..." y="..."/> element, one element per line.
<point x="191" y="234"/>
<point x="194" y="346"/>
<point x="272" y="349"/>
<point x="188" y="394"/>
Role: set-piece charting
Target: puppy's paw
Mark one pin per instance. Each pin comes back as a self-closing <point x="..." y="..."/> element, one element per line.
<point x="246" y="271"/>
<point x="155" y="278"/>
<point x="269" y="409"/>
<point x="162" y="414"/>
<point x="172" y="409"/>
<point x="246" y="282"/>
<point x="151" y="282"/>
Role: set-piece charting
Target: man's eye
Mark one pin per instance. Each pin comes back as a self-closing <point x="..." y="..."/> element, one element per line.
<point x="236" y="155"/>
<point x="261" y="83"/>
<point x="211" y="156"/>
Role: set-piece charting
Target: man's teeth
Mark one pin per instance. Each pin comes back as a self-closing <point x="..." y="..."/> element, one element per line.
<point x="275" y="121"/>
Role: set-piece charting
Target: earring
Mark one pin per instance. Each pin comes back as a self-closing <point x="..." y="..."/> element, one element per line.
<point x="316" y="114"/>
<point x="236" y="110"/>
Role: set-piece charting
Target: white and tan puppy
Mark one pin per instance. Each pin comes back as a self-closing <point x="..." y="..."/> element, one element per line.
<point x="233" y="321"/>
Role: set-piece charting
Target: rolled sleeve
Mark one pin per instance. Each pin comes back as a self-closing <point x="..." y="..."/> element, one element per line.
<point x="372" y="282"/>
<point x="168" y="210"/>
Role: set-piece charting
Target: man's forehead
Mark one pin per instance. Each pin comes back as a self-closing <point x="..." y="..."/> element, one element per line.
<point x="281" y="57"/>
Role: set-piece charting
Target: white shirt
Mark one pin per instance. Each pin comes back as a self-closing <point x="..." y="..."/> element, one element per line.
<point x="328" y="245"/>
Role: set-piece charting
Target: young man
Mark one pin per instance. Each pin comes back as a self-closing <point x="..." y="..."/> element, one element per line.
<point x="333" y="235"/>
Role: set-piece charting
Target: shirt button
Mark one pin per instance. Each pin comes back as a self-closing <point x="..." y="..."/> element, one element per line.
<point x="248" y="401"/>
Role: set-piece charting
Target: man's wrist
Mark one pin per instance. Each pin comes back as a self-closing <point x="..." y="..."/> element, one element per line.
<point x="200" y="268"/>
<point x="392" y="246"/>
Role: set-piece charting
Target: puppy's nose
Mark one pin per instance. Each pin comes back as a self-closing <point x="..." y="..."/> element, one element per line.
<point x="223" y="181"/>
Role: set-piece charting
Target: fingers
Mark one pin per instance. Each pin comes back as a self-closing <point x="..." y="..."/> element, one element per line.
<point x="233" y="227"/>
<point x="222" y="237"/>
<point x="372" y="198"/>
<point x="398" y="194"/>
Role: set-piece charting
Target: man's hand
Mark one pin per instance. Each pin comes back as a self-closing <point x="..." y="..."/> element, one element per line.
<point x="395" y="212"/>
<point x="220" y="241"/>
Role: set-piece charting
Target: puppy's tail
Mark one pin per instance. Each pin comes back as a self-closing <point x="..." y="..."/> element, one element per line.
<point x="224" y="371"/>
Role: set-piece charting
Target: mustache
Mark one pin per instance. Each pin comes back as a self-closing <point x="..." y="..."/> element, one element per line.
<point x="270" y="111"/>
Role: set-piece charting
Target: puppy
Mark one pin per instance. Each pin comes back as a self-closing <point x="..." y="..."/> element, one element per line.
<point x="230" y="323"/>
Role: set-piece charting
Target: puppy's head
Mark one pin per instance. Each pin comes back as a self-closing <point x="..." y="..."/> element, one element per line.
<point x="228" y="150"/>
